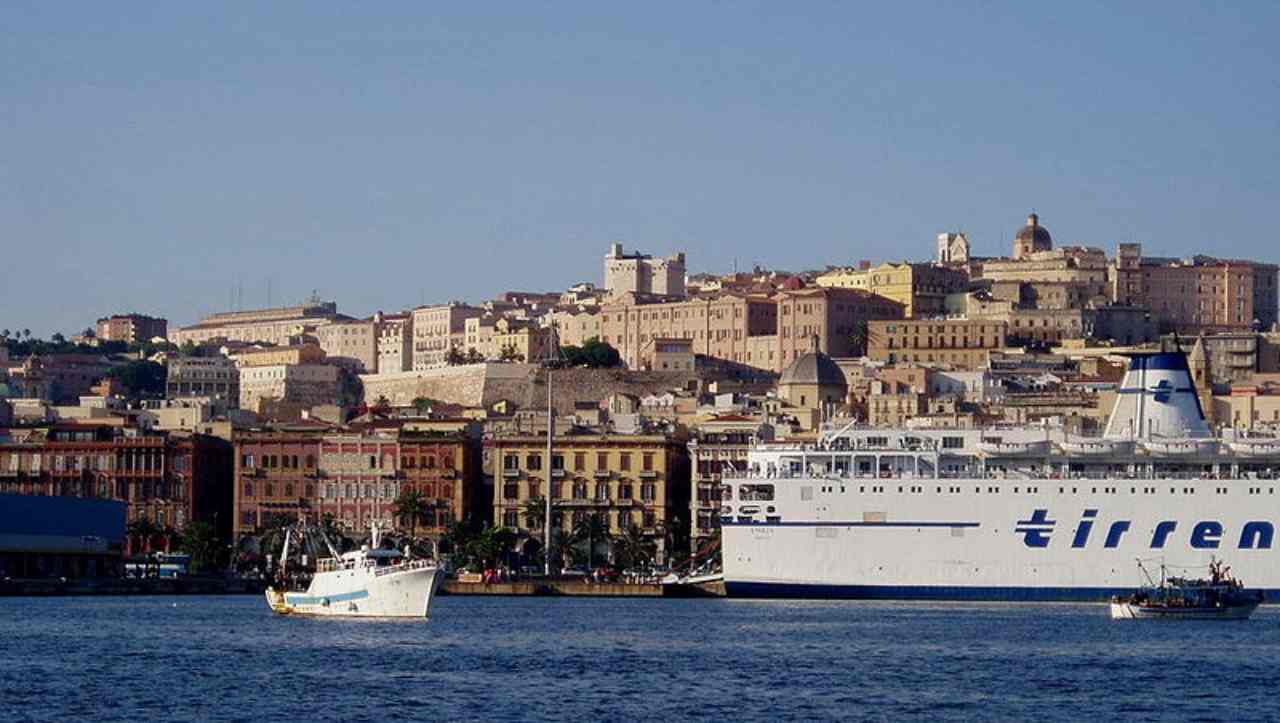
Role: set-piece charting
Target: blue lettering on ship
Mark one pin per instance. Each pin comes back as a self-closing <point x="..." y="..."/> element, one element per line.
<point x="1037" y="530"/>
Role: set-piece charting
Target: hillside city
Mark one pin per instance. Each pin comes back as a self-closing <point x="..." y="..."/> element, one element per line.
<point x="432" y="421"/>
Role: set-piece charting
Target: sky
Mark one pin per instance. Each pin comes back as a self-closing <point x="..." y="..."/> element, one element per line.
<point x="178" y="159"/>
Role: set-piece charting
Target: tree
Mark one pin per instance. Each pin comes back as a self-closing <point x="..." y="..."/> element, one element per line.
<point x="422" y="405"/>
<point x="57" y="337"/>
<point x="859" y="338"/>
<point x="143" y="530"/>
<point x="89" y="333"/>
<point x="591" y="528"/>
<point x="26" y="333"/>
<point x="141" y="378"/>
<point x="634" y="549"/>
<point x="593" y="353"/>
<point x="201" y="542"/>
<point x="473" y="356"/>
<point x="413" y="506"/>
<point x="509" y="353"/>
<point x="535" y="511"/>
<point x="454" y="357"/>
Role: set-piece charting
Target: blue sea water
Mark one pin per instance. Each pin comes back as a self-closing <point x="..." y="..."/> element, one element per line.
<point x="498" y="659"/>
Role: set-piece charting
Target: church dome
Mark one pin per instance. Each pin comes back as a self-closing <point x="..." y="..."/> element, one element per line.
<point x="813" y="368"/>
<point x="1035" y="233"/>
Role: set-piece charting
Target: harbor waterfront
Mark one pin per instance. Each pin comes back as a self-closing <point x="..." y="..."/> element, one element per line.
<point x="229" y="658"/>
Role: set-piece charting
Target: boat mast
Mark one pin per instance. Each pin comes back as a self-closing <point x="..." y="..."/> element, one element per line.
<point x="546" y="523"/>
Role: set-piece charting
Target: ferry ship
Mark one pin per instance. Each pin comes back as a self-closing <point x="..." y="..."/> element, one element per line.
<point x="1006" y="514"/>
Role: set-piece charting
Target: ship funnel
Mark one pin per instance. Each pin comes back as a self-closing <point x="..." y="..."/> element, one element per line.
<point x="1157" y="398"/>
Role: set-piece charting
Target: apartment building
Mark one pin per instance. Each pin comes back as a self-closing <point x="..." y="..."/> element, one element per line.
<point x="1202" y="294"/>
<point x="352" y="344"/>
<point x="170" y="480"/>
<point x="437" y="330"/>
<point x="131" y="328"/>
<point x="273" y="326"/>
<point x="766" y="332"/>
<point x="214" y="377"/>
<point x="954" y="343"/>
<point x="920" y="288"/>
<point x="716" y="447"/>
<point x="626" y="481"/>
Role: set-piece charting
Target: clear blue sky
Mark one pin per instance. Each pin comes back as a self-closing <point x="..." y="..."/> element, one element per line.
<point x="153" y="156"/>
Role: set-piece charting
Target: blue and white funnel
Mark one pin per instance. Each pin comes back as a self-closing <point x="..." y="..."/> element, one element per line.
<point x="1157" y="398"/>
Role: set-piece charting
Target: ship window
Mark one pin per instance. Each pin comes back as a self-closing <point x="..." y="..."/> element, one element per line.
<point x="862" y="490"/>
<point x="760" y="493"/>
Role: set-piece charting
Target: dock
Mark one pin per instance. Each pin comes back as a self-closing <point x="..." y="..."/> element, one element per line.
<point x="574" y="588"/>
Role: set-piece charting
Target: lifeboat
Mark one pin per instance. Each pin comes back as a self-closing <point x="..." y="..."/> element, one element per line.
<point x="1180" y="447"/>
<point x="1255" y="446"/>
<point x="1097" y="447"/>
<point x="1036" y="448"/>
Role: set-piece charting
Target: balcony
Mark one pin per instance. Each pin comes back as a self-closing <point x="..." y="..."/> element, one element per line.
<point x="557" y="474"/>
<point x="649" y="474"/>
<point x="581" y="504"/>
<point x="603" y="474"/>
<point x="510" y="473"/>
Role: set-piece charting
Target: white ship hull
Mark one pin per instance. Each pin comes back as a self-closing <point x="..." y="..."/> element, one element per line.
<point x="997" y="540"/>
<point x="363" y="592"/>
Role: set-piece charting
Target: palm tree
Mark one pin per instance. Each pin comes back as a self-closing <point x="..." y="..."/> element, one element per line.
<point x="4" y="334"/>
<point x="859" y="338"/>
<point x="591" y="528"/>
<point x="413" y="506"/>
<point x="473" y="356"/>
<point x="635" y="549"/>
<point x="26" y="333"/>
<point x="535" y="511"/>
<point x="144" y="531"/>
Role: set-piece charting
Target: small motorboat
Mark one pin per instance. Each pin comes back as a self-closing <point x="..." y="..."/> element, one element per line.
<point x="1221" y="597"/>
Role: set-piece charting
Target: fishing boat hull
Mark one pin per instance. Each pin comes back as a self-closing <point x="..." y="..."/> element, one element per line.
<point x="1135" y="611"/>
<point x="365" y="593"/>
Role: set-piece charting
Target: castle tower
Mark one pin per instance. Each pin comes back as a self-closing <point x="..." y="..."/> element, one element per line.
<point x="1202" y="377"/>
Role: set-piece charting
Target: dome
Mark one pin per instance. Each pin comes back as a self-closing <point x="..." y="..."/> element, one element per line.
<point x="813" y="368"/>
<point x="1035" y="233"/>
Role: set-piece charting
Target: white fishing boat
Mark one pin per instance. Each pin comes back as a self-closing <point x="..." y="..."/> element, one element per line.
<point x="369" y="582"/>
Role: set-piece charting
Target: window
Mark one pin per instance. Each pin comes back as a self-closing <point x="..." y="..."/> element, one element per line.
<point x="533" y="462"/>
<point x="579" y="490"/>
<point x="509" y="461"/>
<point x="511" y="518"/>
<point x="248" y="489"/>
<point x="625" y="462"/>
<point x="579" y="461"/>
<point x="648" y="491"/>
<point x="647" y="462"/>
<point x="602" y="491"/>
<point x="602" y="461"/>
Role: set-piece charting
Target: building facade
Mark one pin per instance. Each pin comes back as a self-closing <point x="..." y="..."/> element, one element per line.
<point x="438" y="330"/>
<point x="169" y="480"/>
<point x="953" y="343"/>
<point x="131" y="328"/>
<point x="213" y="377"/>
<point x="643" y="274"/>
<point x="626" y="481"/>
<point x="395" y="344"/>
<point x="273" y="326"/>
<point x="920" y="288"/>
<point x="351" y="344"/>
<point x="301" y="384"/>
<point x="1198" y="295"/>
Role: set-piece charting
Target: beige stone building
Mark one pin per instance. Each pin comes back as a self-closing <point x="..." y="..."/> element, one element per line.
<point x="766" y="332"/>
<point x="522" y="340"/>
<point x="1200" y="294"/>
<point x="437" y="330"/>
<point x="626" y="481"/>
<point x="281" y="355"/>
<point x="131" y="328"/>
<point x="352" y="344"/>
<point x="395" y="344"/>
<point x="643" y="274"/>
<point x="272" y="326"/>
<point x="576" y="327"/>
<point x="718" y="446"/>
<point x="301" y="384"/>
<point x="921" y="288"/>
<point x="212" y="377"/>
<point x="953" y="343"/>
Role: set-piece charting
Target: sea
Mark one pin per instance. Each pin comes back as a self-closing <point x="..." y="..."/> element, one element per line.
<point x="596" y="659"/>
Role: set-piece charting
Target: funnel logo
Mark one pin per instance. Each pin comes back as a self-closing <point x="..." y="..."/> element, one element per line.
<point x="1161" y="391"/>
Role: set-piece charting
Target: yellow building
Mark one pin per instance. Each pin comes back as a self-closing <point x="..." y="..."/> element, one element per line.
<point x="282" y="355"/>
<point x="921" y="288"/>
<point x="955" y="343"/>
<point x="627" y="481"/>
<point x="521" y="340"/>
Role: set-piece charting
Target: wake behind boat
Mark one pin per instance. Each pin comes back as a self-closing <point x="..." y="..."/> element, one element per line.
<point x="1221" y="597"/>
<point x="369" y="582"/>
